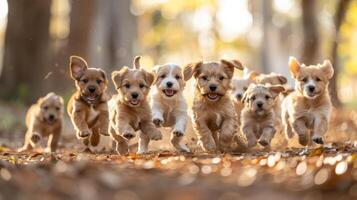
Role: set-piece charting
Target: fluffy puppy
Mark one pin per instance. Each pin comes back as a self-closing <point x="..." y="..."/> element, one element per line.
<point x="214" y="117"/>
<point x="88" y="107"/>
<point x="169" y="107"/>
<point x="308" y="108"/>
<point x="130" y="110"/>
<point x="258" y="115"/>
<point x="239" y="86"/>
<point x="44" y="119"/>
<point x="272" y="79"/>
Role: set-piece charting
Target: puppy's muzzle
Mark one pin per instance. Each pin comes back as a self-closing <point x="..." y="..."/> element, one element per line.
<point x="169" y="84"/>
<point x="239" y="97"/>
<point x="213" y="88"/>
<point x="260" y="105"/>
<point x="92" y="89"/>
<point x="311" y="88"/>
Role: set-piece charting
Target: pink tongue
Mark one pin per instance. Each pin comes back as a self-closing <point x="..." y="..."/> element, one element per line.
<point x="134" y="102"/>
<point x="169" y="92"/>
<point x="212" y="95"/>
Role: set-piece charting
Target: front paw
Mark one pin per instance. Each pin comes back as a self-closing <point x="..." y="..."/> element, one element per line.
<point x="317" y="139"/>
<point x="129" y="135"/>
<point x="158" y="122"/>
<point x="35" y="138"/>
<point x="122" y="149"/>
<point x="303" y="140"/>
<point x="156" y="135"/>
<point x="178" y="133"/>
<point x="83" y="134"/>
<point x="264" y="142"/>
<point x="208" y="147"/>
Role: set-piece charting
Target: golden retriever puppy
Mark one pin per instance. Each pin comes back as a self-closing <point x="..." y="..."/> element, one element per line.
<point x="258" y="115"/>
<point x="44" y="119"/>
<point x="239" y="86"/>
<point x="169" y="107"/>
<point x="214" y="116"/>
<point x="130" y="110"/>
<point x="88" y="107"/>
<point x="308" y="108"/>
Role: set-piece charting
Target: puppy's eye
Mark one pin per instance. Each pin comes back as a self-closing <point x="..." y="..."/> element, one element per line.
<point x="318" y="79"/>
<point x="267" y="97"/>
<point x="127" y="86"/>
<point x="45" y="107"/>
<point x="205" y="78"/>
<point x="141" y="85"/>
<point x="177" y="77"/>
<point x="245" y="88"/>
<point x="253" y="98"/>
<point x="304" y="80"/>
<point x="57" y="108"/>
<point x="221" y="78"/>
<point x="85" y="80"/>
<point x="99" y="81"/>
<point x="163" y="76"/>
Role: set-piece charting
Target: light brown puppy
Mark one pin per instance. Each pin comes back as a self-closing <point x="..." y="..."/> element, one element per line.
<point x="272" y="79"/>
<point x="214" y="117"/>
<point x="44" y="119"/>
<point x="308" y="108"/>
<point x="169" y="107"/>
<point x="130" y="110"/>
<point x="258" y="115"/>
<point x="88" y="107"/>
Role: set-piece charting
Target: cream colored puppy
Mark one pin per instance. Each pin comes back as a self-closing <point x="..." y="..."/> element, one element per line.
<point x="306" y="111"/>
<point x="168" y="105"/>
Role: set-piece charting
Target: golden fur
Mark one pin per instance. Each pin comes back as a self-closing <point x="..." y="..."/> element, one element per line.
<point x="169" y="107"/>
<point x="129" y="109"/>
<point x="44" y="119"/>
<point x="214" y="117"/>
<point x="87" y="107"/>
<point x="258" y="115"/>
<point x="308" y="108"/>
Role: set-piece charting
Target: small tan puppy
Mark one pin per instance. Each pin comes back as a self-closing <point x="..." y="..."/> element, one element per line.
<point x="272" y="79"/>
<point x="239" y="86"/>
<point x="130" y="110"/>
<point x="88" y="107"/>
<point x="214" y="116"/>
<point x="44" y="119"/>
<point x="308" y="108"/>
<point x="169" y="107"/>
<point x="258" y="115"/>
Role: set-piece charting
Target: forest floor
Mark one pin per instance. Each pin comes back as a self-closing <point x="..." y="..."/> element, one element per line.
<point x="319" y="172"/>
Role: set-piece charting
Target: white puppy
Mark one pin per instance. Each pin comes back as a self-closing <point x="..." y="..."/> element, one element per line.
<point x="169" y="107"/>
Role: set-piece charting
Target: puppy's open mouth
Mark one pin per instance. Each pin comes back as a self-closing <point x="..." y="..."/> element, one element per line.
<point x="134" y="102"/>
<point x="169" y="92"/>
<point x="213" y="96"/>
<point x="91" y="98"/>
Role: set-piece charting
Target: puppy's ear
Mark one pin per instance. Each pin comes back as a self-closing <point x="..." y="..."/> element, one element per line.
<point x="77" y="67"/>
<point x="230" y="65"/>
<point x="327" y="69"/>
<point x="149" y="78"/>
<point x="155" y="72"/>
<point x="294" y="66"/>
<point x="252" y="75"/>
<point x="191" y="69"/>
<point x="117" y="76"/>
<point x="136" y="62"/>
<point x="104" y="75"/>
<point x="282" y="79"/>
<point x="276" y="89"/>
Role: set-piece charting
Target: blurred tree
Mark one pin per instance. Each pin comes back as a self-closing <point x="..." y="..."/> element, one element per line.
<point x="266" y="17"/>
<point x="341" y="10"/>
<point x="26" y="50"/>
<point x="310" y="48"/>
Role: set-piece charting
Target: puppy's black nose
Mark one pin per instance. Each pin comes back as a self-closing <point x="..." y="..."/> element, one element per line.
<point x="51" y="117"/>
<point x="169" y="84"/>
<point x="134" y="95"/>
<point x="213" y="88"/>
<point x="239" y="96"/>
<point x="311" y="88"/>
<point x="91" y="89"/>
<point x="260" y="104"/>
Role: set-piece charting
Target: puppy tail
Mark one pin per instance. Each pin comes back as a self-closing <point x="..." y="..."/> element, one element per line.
<point x="137" y="62"/>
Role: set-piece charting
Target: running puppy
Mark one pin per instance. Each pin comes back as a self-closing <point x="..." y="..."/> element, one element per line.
<point x="258" y="115"/>
<point x="169" y="107"/>
<point x="130" y="110"/>
<point x="214" y="117"/>
<point x="88" y="107"/>
<point x="44" y="119"/>
<point x="308" y="108"/>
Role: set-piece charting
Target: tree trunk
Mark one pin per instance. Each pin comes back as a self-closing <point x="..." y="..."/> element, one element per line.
<point x="26" y="50"/>
<point x="339" y="17"/>
<point x="266" y="17"/>
<point x="310" y="47"/>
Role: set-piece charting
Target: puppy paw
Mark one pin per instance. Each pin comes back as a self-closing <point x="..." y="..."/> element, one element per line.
<point x="35" y="138"/>
<point x="129" y="135"/>
<point x="264" y="142"/>
<point x="156" y="135"/>
<point x="122" y="150"/>
<point x="303" y="140"/>
<point x="208" y="147"/>
<point x="158" y="122"/>
<point x="83" y="134"/>
<point x="317" y="139"/>
<point x="177" y="133"/>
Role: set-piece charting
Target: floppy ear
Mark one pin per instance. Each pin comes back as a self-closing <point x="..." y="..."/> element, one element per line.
<point x="282" y="79"/>
<point x="104" y="75"/>
<point x="149" y="78"/>
<point x="155" y="71"/>
<point x="294" y="66"/>
<point x="252" y="75"/>
<point x="191" y="69"/>
<point x="77" y="67"/>
<point x="276" y="89"/>
<point x="231" y="64"/>
<point x="328" y="69"/>
<point x="117" y="76"/>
